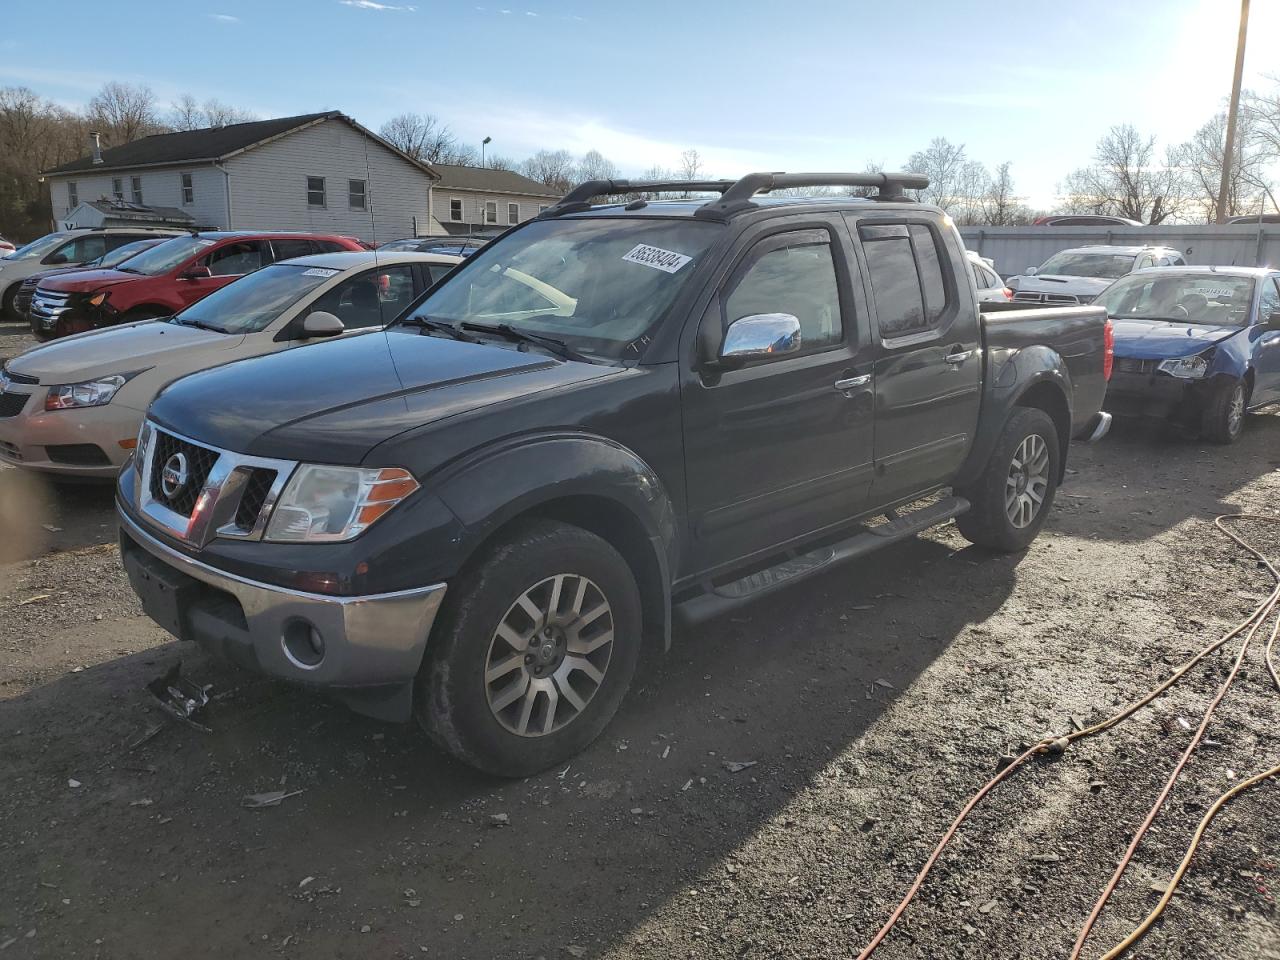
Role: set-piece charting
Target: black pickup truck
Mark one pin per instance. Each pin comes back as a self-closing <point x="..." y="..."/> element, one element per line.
<point x="613" y="416"/>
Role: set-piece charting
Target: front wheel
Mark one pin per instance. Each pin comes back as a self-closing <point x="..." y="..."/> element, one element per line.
<point x="1010" y="501"/>
<point x="535" y="650"/>
<point x="1223" y="418"/>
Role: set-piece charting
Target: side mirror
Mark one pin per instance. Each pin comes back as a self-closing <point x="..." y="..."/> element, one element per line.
<point x="321" y="323"/>
<point x="759" y="336"/>
<point x="56" y="259"/>
<point x="1273" y="321"/>
<point x="1029" y="272"/>
<point x="196" y="273"/>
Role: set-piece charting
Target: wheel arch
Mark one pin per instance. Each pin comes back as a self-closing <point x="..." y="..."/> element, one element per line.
<point x="1047" y="389"/>
<point x="1048" y="395"/>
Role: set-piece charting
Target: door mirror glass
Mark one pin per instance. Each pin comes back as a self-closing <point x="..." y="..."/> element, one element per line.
<point x="1030" y="272"/>
<point x="55" y="259"/>
<point x="197" y="273"/>
<point x="759" y="336"/>
<point x="321" y="323"/>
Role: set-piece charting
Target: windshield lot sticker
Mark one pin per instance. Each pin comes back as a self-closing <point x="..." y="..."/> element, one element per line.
<point x="319" y="272"/>
<point x="667" y="261"/>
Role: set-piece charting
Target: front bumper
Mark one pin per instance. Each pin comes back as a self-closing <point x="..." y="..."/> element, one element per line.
<point x="75" y="443"/>
<point x="372" y="646"/>
<point x="1156" y="395"/>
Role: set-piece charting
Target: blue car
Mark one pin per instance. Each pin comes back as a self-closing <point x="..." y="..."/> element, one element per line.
<point x="1199" y="346"/>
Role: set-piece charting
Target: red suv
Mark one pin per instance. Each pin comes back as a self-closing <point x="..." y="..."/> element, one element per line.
<point x="163" y="280"/>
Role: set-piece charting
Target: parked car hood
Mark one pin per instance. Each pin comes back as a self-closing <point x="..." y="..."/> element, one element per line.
<point x="123" y="349"/>
<point x="83" y="281"/>
<point x="333" y="402"/>
<point x="53" y="272"/>
<point x="1060" y="283"/>
<point x="1165" y="339"/>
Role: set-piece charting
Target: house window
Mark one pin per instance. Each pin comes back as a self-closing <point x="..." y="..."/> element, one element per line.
<point x="117" y="188"/>
<point x="188" y="190"/>
<point x="315" y="191"/>
<point x="73" y="196"/>
<point x="491" y="211"/>
<point x="135" y="186"/>
<point x="513" y="213"/>
<point x="356" y="198"/>
<point x="455" y="210"/>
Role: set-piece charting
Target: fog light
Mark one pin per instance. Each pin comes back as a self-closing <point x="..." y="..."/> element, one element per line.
<point x="303" y="643"/>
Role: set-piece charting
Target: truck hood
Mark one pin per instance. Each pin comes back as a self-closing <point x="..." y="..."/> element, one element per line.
<point x="333" y="402"/>
<point x="123" y="349"/>
<point x="1057" y="283"/>
<point x="84" y="281"/>
<point x="1165" y="339"/>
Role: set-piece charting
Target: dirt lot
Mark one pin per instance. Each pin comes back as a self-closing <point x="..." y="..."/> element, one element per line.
<point x="872" y="702"/>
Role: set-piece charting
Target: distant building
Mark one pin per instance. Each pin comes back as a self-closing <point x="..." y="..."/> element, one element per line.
<point x="477" y="200"/>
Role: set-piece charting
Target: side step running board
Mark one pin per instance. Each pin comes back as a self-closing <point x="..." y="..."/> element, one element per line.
<point x="718" y="600"/>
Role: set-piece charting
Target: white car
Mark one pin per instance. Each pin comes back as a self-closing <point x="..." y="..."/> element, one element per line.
<point x="991" y="288"/>
<point x="1081" y="273"/>
<point x="74" y="406"/>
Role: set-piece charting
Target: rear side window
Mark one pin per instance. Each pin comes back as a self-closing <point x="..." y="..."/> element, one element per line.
<point x="793" y="274"/>
<point x="907" y="280"/>
<point x="288" y="249"/>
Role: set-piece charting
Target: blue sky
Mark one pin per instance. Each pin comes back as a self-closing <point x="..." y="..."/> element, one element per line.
<point x="804" y="84"/>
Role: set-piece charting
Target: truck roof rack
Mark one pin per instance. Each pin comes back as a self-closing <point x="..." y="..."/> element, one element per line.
<point x="736" y="195"/>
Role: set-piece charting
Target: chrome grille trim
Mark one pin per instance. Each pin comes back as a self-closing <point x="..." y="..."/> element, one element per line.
<point x="223" y="489"/>
<point x="49" y="304"/>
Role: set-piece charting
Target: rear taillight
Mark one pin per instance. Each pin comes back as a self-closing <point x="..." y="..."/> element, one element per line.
<point x="1108" y="350"/>
<point x="1008" y="294"/>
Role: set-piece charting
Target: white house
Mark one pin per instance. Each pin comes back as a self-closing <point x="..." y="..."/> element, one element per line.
<point x="320" y="172"/>
<point x="477" y="200"/>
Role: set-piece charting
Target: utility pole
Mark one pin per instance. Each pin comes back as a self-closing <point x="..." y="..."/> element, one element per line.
<point x="1229" y="148"/>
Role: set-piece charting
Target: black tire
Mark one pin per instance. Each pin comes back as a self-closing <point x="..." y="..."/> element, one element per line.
<point x="452" y="692"/>
<point x="7" y="310"/>
<point x="1223" y="418"/>
<point x="988" y="522"/>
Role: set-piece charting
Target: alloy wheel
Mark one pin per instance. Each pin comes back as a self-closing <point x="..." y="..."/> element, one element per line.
<point x="1027" y="482"/>
<point x="1235" y="411"/>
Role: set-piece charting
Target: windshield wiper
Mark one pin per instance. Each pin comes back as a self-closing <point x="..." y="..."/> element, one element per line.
<point x="198" y="324"/>
<point x="438" y="326"/>
<point x="128" y="270"/>
<point x="558" y="347"/>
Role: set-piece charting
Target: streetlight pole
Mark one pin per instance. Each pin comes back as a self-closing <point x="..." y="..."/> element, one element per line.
<point x="488" y="140"/>
<point x="1229" y="148"/>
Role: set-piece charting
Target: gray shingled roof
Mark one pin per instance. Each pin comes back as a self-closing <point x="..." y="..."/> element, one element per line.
<point x="490" y="181"/>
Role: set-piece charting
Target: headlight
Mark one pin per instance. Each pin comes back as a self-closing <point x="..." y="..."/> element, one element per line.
<point x="97" y="300"/>
<point x="327" y="504"/>
<point x="1189" y="368"/>
<point x="91" y="393"/>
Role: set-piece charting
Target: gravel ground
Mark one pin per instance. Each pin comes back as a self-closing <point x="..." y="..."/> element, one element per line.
<point x="870" y="702"/>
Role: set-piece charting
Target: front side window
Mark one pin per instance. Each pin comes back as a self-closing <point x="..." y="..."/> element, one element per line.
<point x="188" y="190"/>
<point x="252" y="304"/>
<point x="792" y="274"/>
<point x="513" y="213"/>
<point x="117" y="188"/>
<point x="315" y="191"/>
<point x="1202" y="298"/>
<point x="1269" y="301"/>
<point x="135" y="185"/>
<point x="236" y="259"/>
<point x="455" y="210"/>
<point x="371" y="299"/>
<point x="356" y="197"/>
<point x="598" y="284"/>
<point x="491" y="211"/>
<point x="80" y="250"/>
<point x="73" y="196"/>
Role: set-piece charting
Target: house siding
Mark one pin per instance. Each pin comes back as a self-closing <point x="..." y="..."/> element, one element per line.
<point x="269" y="185"/>
<point x="161" y="186"/>
<point x="473" y="202"/>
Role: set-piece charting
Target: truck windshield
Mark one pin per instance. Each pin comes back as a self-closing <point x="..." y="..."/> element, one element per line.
<point x="1107" y="265"/>
<point x="1206" y="298"/>
<point x="251" y="303"/>
<point x="163" y="257"/>
<point x="599" y="284"/>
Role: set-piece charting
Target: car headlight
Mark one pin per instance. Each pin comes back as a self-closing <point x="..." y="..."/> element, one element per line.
<point x="1188" y="368"/>
<point x="323" y="504"/>
<point x="91" y="393"/>
<point x="98" y="299"/>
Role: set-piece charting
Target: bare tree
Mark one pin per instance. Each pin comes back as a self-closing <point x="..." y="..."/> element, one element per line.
<point x="552" y="168"/>
<point x="124" y="112"/>
<point x="594" y="165"/>
<point x="1128" y="179"/>
<point x="502" y="163"/>
<point x="425" y="138"/>
<point x="871" y="166"/>
<point x="998" y="205"/>
<point x="219" y="114"/>
<point x="187" y="113"/>
<point x="1201" y="160"/>
<point x="943" y="163"/>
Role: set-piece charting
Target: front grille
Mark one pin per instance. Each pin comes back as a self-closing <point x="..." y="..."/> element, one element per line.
<point x="254" y="496"/>
<point x="11" y="404"/>
<point x="49" y="304"/>
<point x="200" y="461"/>
<point x="1129" y="365"/>
<point x="78" y="454"/>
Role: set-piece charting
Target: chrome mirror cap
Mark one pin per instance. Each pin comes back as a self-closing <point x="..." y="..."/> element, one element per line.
<point x="761" y="335"/>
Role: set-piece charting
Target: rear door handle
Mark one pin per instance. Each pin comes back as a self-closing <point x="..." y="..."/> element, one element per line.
<point x="958" y="356"/>
<point x="849" y="383"/>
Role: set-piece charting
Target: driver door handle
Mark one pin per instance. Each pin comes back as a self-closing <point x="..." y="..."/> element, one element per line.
<point x="958" y="355"/>
<point x="849" y="383"/>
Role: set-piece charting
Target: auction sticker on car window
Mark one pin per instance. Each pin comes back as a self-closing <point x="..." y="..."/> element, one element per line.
<point x="666" y="260"/>
<point x="320" y="272"/>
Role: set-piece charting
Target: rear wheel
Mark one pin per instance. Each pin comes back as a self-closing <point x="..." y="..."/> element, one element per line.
<point x="535" y="651"/>
<point x="1012" y="498"/>
<point x="7" y="310"/>
<point x="1223" y="417"/>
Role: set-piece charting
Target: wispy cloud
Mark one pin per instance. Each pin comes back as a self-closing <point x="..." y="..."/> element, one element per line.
<point x="223" y="17"/>
<point x="374" y="5"/>
<point x="530" y="13"/>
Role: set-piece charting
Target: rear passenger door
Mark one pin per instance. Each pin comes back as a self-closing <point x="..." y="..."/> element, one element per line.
<point x="928" y="360"/>
<point x="1266" y="349"/>
<point x="287" y="249"/>
<point x="780" y="447"/>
